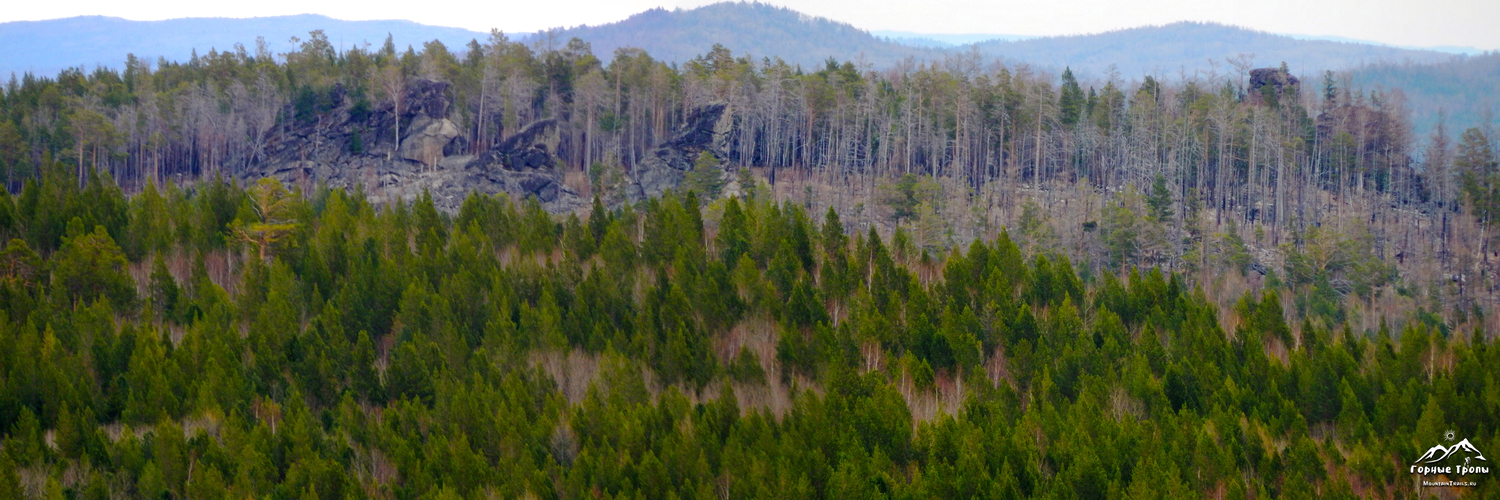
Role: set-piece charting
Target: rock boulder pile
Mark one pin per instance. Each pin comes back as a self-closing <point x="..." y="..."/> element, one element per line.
<point x="432" y="155"/>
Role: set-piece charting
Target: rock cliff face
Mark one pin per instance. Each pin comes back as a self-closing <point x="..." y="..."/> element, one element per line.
<point x="708" y="128"/>
<point x="523" y="166"/>
<point x="347" y="148"/>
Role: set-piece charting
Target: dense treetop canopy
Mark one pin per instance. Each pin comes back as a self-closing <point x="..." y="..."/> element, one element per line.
<point x="156" y="347"/>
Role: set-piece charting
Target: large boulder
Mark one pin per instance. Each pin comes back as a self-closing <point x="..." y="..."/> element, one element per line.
<point x="430" y="135"/>
<point x="707" y="128"/>
<point x="429" y="141"/>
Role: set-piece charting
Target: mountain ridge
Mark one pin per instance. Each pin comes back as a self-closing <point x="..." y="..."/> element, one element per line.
<point x="1189" y="45"/>
<point x="761" y="30"/>
<point x="676" y="36"/>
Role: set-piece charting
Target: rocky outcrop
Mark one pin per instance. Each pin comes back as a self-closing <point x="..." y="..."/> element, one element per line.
<point x="1278" y="78"/>
<point x="528" y="149"/>
<point x="522" y="166"/>
<point x="349" y="148"/>
<point x="354" y="146"/>
<point x="707" y="128"/>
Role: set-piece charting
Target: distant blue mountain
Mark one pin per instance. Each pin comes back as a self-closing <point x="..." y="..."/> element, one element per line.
<point x="947" y="40"/>
<point x="757" y="29"/>
<point x="763" y="30"/>
<point x="1465" y="89"/>
<point x="1169" y="49"/>
<point x="675" y="36"/>
<point x="1450" y="49"/>
<point x="46" y="47"/>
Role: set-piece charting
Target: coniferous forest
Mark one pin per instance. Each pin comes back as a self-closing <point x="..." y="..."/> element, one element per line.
<point x="945" y="281"/>
<point x="266" y="343"/>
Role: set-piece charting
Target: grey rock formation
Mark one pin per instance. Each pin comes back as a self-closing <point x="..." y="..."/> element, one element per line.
<point x="1282" y="80"/>
<point x="707" y="128"/>
<point x="429" y="141"/>
<point x="522" y="166"/>
<point x="432" y="155"/>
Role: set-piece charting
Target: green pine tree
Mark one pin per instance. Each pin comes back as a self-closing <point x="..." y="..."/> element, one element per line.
<point x="1160" y="199"/>
<point x="1071" y="103"/>
<point x="706" y="179"/>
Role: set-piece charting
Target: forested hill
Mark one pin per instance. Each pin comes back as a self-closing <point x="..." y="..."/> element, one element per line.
<point x="1165" y="51"/>
<point x="46" y="47"/>
<point x="757" y="29"/>
<point x="1462" y="92"/>
<point x="265" y="343"/>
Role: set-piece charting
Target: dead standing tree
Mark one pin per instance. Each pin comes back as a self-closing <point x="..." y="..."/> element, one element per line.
<point x="393" y="80"/>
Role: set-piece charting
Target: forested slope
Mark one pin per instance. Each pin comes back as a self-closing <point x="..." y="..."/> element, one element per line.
<point x="934" y="280"/>
<point x="1320" y="189"/>
<point x="263" y="343"/>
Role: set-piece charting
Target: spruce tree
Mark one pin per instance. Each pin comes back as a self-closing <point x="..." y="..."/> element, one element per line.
<point x="1160" y="199"/>
<point x="1479" y="175"/>
<point x="1071" y="103"/>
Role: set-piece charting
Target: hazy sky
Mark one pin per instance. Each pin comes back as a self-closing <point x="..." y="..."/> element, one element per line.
<point x="1425" y="23"/>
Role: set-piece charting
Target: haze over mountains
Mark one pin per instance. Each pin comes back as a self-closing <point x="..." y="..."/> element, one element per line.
<point x="44" y="47"/>
<point x="1463" y="91"/>
<point x="943" y="40"/>
<point x="756" y="29"/>
<point x="1166" y="50"/>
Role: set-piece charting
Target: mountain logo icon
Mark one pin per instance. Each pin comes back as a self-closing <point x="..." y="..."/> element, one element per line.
<point x="1439" y="453"/>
